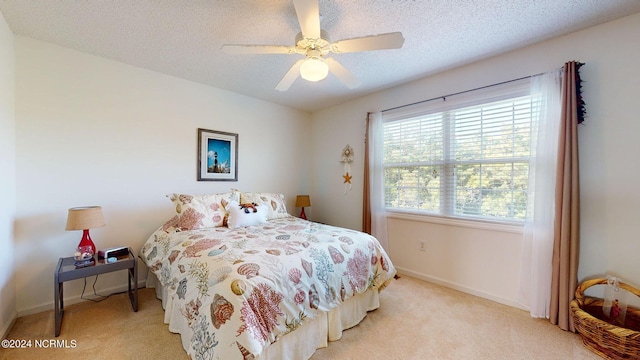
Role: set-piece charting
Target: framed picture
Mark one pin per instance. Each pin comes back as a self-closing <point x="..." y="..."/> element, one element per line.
<point x="217" y="156"/>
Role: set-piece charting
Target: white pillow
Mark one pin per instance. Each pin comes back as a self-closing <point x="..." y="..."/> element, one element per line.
<point x="244" y="215"/>
<point x="274" y="202"/>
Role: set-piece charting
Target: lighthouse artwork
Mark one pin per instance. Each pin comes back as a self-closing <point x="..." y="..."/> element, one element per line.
<point x="217" y="155"/>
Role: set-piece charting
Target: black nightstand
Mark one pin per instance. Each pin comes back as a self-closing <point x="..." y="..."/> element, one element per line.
<point x="66" y="270"/>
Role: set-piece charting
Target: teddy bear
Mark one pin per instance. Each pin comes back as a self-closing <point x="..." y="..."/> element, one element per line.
<point x="249" y="207"/>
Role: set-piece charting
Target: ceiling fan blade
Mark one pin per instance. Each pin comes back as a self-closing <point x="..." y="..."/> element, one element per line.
<point x="342" y="73"/>
<point x="392" y="40"/>
<point x="308" y="14"/>
<point x="290" y="76"/>
<point x="258" y="49"/>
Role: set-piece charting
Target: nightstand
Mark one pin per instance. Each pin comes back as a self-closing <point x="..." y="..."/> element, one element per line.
<point x="66" y="270"/>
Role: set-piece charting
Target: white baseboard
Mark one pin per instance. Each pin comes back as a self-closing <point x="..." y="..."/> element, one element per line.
<point x="462" y="288"/>
<point x="7" y="326"/>
<point x="76" y="299"/>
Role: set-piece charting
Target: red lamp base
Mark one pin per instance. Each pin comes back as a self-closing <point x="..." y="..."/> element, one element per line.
<point x="86" y="240"/>
<point x="303" y="215"/>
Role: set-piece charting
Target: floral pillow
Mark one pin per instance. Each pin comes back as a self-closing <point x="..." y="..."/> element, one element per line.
<point x="241" y="215"/>
<point x="199" y="211"/>
<point x="272" y="201"/>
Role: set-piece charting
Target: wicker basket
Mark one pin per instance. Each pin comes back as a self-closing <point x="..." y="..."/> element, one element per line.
<point x="603" y="338"/>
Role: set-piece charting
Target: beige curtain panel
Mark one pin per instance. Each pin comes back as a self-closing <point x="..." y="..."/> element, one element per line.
<point x="567" y="223"/>
<point x="366" y="196"/>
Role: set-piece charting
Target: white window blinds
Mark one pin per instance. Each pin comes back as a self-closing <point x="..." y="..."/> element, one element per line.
<point x="463" y="158"/>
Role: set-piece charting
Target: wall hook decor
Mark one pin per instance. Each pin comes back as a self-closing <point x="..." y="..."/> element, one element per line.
<point x="347" y="159"/>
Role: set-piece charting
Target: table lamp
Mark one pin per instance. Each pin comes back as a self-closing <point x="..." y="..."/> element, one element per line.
<point x="85" y="218"/>
<point x="303" y="201"/>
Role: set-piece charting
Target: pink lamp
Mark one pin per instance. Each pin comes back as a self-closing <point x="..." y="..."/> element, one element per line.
<point x="85" y="218"/>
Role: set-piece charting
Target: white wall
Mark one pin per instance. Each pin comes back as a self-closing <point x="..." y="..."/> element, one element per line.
<point x="90" y="131"/>
<point x="93" y="131"/>
<point x="485" y="262"/>
<point x="7" y="177"/>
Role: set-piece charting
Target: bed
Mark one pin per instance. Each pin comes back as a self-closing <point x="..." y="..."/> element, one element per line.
<point x="240" y="278"/>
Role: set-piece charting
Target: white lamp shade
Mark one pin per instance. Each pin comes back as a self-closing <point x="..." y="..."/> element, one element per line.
<point x="314" y="69"/>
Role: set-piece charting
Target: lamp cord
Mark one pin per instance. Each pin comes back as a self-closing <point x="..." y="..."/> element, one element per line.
<point x="100" y="297"/>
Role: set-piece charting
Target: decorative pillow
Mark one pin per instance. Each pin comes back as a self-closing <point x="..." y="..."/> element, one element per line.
<point x="171" y="225"/>
<point x="246" y="214"/>
<point x="272" y="201"/>
<point x="199" y="211"/>
<point x="233" y="195"/>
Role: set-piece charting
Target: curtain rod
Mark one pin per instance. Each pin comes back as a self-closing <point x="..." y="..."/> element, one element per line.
<point x="444" y="97"/>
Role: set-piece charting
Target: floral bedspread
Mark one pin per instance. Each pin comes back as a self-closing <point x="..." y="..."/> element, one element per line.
<point x="242" y="289"/>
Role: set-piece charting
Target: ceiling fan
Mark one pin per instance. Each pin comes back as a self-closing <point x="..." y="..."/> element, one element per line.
<point x="314" y="44"/>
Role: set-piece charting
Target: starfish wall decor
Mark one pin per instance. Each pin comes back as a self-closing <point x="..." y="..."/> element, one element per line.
<point x="347" y="159"/>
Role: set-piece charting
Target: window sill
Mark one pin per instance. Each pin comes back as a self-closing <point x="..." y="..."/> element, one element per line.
<point x="475" y="224"/>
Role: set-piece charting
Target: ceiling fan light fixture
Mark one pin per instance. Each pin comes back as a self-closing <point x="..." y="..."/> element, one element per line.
<point x="314" y="44"/>
<point x="314" y="69"/>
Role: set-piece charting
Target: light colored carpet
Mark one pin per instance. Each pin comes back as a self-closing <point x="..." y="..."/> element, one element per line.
<point x="416" y="320"/>
<point x="105" y="330"/>
<point x="421" y="320"/>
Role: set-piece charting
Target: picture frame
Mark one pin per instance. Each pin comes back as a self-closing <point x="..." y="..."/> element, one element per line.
<point x="217" y="155"/>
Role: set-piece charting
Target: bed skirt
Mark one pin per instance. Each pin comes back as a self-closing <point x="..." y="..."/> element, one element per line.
<point x="300" y="344"/>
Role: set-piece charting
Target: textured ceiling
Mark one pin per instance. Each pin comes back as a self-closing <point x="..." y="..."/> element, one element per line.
<point x="183" y="37"/>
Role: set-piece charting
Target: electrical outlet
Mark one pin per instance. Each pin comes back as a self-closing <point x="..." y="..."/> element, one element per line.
<point x="422" y="246"/>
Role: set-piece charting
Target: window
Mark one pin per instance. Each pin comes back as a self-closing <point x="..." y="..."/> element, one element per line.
<point x="465" y="159"/>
